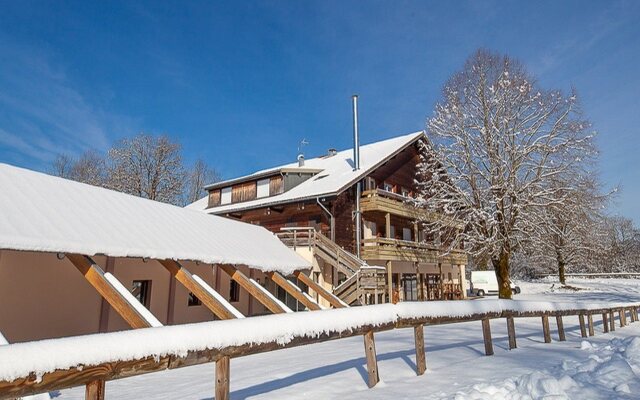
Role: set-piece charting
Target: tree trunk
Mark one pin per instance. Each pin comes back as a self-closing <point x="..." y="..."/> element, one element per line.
<point x="501" y="266"/>
<point x="561" y="271"/>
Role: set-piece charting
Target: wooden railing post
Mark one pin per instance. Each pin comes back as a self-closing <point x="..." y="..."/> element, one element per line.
<point x="293" y="291"/>
<point x="322" y="292"/>
<point x="560" y="324"/>
<point x="605" y="322"/>
<point x="545" y="328"/>
<point x="194" y="285"/>
<point x="590" y="319"/>
<point x="222" y="378"/>
<point x="372" y="362"/>
<point x="511" y="331"/>
<point x="612" y="320"/>
<point x="94" y="390"/>
<point x="421" y="357"/>
<point x="252" y="288"/>
<point x="486" y="334"/>
<point x="623" y="319"/>
<point x="583" y="328"/>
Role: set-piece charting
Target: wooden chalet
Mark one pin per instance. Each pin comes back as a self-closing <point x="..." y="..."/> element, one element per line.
<point x="311" y="205"/>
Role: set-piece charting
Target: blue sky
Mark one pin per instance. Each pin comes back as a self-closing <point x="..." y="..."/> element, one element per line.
<point x="240" y="84"/>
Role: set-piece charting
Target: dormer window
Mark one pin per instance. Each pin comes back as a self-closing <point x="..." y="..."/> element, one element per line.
<point x="263" y="188"/>
<point x="225" y="197"/>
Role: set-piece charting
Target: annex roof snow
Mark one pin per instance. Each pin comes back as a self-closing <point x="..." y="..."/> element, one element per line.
<point x="50" y="214"/>
<point x="336" y="174"/>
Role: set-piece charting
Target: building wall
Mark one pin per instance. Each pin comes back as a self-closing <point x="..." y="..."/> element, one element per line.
<point x="43" y="297"/>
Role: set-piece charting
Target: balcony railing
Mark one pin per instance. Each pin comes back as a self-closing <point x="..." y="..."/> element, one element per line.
<point x="397" y="204"/>
<point x="405" y="250"/>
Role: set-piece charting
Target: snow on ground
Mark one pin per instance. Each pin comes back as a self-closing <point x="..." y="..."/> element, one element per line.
<point x="603" y="367"/>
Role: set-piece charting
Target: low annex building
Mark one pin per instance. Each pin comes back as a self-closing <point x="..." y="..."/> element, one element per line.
<point x="311" y="205"/>
<point x="78" y="259"/>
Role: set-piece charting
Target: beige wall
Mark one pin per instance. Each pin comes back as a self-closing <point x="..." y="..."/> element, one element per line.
<point x="44" y="297"/>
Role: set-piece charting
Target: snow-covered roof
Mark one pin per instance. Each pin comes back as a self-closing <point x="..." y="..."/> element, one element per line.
<point x="50" y="214"/>
<point x="336" y="174"/>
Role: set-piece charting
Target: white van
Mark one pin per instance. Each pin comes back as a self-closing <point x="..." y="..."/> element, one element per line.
<point x="485" y="282"/>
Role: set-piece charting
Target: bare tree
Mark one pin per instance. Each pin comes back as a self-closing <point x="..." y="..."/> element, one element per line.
<point x="147" y="166"/>
<point x="89" y="168"/>
<point x="62" y="166"/>
<point x="623" y="240"/>
<point x="199" y="176"/>
<point x="569" y="232"/>
<point x="496" y="141"/>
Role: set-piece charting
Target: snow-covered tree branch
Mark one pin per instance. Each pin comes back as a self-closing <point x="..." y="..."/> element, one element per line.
<point x="496" y="142"/>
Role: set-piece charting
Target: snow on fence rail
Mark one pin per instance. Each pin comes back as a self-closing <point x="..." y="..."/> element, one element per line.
<point x="592" y="275"/>
<point x="35" y="367"/>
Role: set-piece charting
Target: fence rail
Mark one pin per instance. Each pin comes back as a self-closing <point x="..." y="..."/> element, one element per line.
<point x="594" y="275"/>
<point x="24" y="368"/>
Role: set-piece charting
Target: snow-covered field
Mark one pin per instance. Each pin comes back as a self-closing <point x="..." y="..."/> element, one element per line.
<point x="605" y="366"/>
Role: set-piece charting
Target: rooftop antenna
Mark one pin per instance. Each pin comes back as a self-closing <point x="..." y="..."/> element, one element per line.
<point x="302" y="143"/>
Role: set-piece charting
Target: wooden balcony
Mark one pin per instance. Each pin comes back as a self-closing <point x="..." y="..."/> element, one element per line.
<point x="403" y="250"/>
<point x="396" y="204"/>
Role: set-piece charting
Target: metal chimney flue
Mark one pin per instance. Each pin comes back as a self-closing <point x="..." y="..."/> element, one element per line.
<point x="356" y="135"/>
<point x="300" y="160"/>
<point x="356" y="166"/>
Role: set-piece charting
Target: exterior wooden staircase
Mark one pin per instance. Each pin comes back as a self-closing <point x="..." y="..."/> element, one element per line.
<point x="364" y="284"/>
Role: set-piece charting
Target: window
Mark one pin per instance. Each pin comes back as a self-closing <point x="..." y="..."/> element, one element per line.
<point x="387" y="187"/>
<point x="392" y="234"/>
<point x="141" y="290"/>
<point x="234" y="292"/>
<point x="263" y="188"/>
<point x="404" y="192"/>
<point x="406" y="234"/>
<point x="226" y="196"/>
<point x="193" y="300"/>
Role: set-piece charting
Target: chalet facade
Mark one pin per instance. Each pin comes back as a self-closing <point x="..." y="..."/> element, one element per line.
<point x="311" y="205"/>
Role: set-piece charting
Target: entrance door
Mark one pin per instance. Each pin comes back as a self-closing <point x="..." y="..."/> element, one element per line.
<point x="410" y="287"/>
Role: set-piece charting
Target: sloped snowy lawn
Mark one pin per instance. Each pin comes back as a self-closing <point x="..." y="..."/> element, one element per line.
<point x="455" y="360"/>
<point x="611" y="372"/>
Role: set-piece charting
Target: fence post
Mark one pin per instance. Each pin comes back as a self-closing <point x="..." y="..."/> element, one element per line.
<point x="560" y="323"/>
<point x="222" y="378"/>
<point x="421" y="357"/>
<point x="372" y="362"/>
<point x="590" y="319"/>
<point x="545" y="328"/>
<point x="511" y="330"/>
<point x="486" y="333"/>
<point x="583" y="328"/>
<point x="605" y="322"/>
<point x="612" y="320"/>
<point x="94" y="390"/>
<point x="623" y="318"/>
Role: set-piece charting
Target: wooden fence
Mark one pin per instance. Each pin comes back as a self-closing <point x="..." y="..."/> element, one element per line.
<point x="404" y="315"/>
